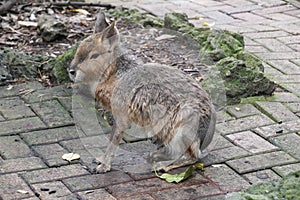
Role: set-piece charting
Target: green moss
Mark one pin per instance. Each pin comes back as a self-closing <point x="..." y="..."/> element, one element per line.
<point x="288" y="188"/>
<point x="135" y="16"/>
<point x="177" y="22"/>
<point x="60" y="65"/>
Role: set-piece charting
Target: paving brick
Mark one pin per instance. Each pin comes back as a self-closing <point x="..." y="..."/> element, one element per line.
<point x="51" y="190"/>
<point x="191" y="192"/>
<point x="219" y="142"/>
<point x="66" y="102"/>
<point x="286" y="79"/>
<point x="158" y="10"/>
<point x="52" y="113"/>
<point x="52" y="174"/>
<point x="261" y="176"/>
<point x="295" y="47"/>
<point x="1" y="118"/>
<point x="255" y="49"/>
<point x="16" y="89"/>
<point x="47" y="94"/>
<point x="99" y="194"/>
<point x="275" y="9"/>
<point x="260" y="161"/>
<point x="143" y="186"/>
<point x="249" y="17"/>
<point x="277" y="111"/>
<point x="21" y="164"/>
<point x="292" y="87"/>
<point x="286" y="169"/>
<point x="242" y="110"/>
<point x="92" y="142"/>
<point x="20" y="125"/>
<point x="280" y="17"/>
<point x="241" y="8"/>
<point x="13" y="147"/>
<point x="260" y="27"/>
<point x="270" y="3"/>
<point x="96" y="181"/>
<point x="277" y="129"/>
<point x="295" y="107"/>
<point x="295" y="12"/>
<point x="244" y="124"/>
<point x="284" y="97"/>
<point x="285" y="66"/>
<point x="14" y="107"/>
<point x="226" y="178"/>
<point x="292" y="39"/>
<point x="139" y="197"/>
<point x="51" y="154"/>
<point x="251" y="142"/>
<point x="219" y="17"/>
<point x="50" y="135"/>
<point x="236" y="29"/>
<point x="279" y="55"/>
<point x="237" y="3"/>
<point x="208" y="3"/>
<point x="9" y="186"/>
<point x="267" y="34"/>
<point x="273" y="44"/>
<point x="290" y="27"/>
<point x="222" y="155"/>
<point x="289" y="143"/>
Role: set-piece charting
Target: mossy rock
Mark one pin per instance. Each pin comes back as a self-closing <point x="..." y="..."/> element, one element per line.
<point x="287" y="188"/>
<point x="221" y="43"/>
<point x="17" y="64"/>
<point x="134" y="16"/>
<point x="244" y="78"/>
<point x="58" y="66"/>
<point x="177" y="22"/>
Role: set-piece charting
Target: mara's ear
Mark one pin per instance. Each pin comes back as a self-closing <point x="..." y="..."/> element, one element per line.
<point x="110" y="36"/>
<point x="101" y="23"/>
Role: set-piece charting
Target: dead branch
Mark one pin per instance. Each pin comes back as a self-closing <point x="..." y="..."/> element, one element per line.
<point x="80" y="4"/>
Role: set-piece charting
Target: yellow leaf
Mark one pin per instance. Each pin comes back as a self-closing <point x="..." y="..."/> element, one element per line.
<point x="70" y="156"/>
<point x="179" y="177"/>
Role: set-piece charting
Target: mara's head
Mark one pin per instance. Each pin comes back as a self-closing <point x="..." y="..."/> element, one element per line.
<point x="96" y="56"/>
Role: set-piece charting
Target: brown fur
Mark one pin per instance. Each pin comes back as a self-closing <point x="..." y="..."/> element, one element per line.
<point x="159" y="99"/>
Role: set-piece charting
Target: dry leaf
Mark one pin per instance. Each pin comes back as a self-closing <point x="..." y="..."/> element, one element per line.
<point x="23" y="191"/>
<point x="181" y="176"/>
<point x="70" y="156"/>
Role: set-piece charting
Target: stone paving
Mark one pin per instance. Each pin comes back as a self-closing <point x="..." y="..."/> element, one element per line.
<point x="259" y="140"/>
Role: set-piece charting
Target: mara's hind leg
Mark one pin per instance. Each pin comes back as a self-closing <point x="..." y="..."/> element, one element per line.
<point x="184" y="145"/>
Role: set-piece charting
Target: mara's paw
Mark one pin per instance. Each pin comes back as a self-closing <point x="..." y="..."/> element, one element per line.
<point x="102" y="168"/>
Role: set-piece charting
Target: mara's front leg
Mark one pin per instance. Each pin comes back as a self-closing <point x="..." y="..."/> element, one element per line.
<point x="116" y="136"/>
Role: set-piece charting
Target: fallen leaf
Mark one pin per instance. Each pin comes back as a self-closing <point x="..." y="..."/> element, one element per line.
<point x="237" y="108"/>
<point x="204" y="23"/>
<point x="10" y="87"/>
<point x="70" y="156"/>
<point x="181" y="176"/>
<point x="23" y="191"/>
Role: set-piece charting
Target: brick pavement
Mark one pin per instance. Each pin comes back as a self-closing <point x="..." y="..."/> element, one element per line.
<point x="259" y="142"/>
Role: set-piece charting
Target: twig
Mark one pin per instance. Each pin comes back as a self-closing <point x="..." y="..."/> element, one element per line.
<point x="71" y="3"/>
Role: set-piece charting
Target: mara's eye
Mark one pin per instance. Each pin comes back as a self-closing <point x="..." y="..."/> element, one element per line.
<point x="72" y="72"/>
<point x="94" y="56"/>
